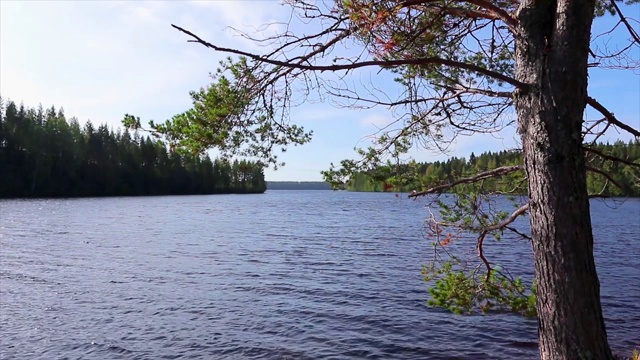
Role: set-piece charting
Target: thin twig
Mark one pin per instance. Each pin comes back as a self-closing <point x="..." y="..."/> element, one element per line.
<point x="611" y="157"/>
<point x="361" y="64"/>
<point x="607" y="176"/>
<point x="624" y="20"/>
<point x="610" y="117"/>
<point x="521" y="210"/>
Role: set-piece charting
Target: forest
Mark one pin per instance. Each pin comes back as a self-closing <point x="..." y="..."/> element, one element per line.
<point x="42" y="154"/>
<point x="624" y="180"/>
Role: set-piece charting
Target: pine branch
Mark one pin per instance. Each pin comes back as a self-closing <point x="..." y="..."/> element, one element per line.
<point x="355" y="65"/>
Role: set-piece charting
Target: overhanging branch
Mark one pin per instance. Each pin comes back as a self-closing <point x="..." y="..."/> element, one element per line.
<point x="611" y="157"/>
<point x="339" y="67"/>
<point x="610" y="117"/>
<point x="503" y="170"/>
<point x="606" y="176"/>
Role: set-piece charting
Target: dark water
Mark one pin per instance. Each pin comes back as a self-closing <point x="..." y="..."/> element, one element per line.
<point x="284" y="275"/>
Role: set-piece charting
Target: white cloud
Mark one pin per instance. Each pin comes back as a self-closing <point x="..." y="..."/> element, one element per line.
<point x="110" y="58"/>
<point x="108" y="61"/>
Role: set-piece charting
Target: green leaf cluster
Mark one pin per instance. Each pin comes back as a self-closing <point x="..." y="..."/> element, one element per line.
<point x="232" y="116"/>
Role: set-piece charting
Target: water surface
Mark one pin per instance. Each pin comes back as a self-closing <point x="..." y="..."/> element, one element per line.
<point x="283" y="275"/>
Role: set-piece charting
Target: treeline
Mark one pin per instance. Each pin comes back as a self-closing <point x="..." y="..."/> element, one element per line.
<point x="42" y="154"/>
<point x="420" y="176"/>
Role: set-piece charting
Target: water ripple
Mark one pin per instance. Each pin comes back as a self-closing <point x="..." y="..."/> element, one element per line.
<point x="285" y="275"/>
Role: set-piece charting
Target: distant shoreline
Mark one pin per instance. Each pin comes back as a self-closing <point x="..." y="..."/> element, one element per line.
<point x="121" y="196"/>
<point x="298" y="185"/>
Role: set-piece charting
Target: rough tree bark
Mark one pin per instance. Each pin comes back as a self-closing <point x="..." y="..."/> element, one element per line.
<point x="551" y="54"/>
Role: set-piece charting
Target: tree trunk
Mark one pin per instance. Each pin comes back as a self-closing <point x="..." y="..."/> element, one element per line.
<point x="551" y="55"/>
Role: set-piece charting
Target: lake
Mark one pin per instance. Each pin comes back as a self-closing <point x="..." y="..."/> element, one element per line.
<point x="281" y="275"/>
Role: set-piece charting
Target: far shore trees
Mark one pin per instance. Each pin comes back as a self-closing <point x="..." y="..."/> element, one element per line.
<point x="45" y="154"/>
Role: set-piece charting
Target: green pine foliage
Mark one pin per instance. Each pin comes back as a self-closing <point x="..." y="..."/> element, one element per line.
<point x="462" y="292"/>
<point x="421" y="176"/>
<point x="42" y="154"/>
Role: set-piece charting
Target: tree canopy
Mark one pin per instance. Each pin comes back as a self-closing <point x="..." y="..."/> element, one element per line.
<point x="44" y="155"/>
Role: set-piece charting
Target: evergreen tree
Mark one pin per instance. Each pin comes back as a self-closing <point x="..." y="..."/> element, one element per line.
<point x="42" y="154"/>
<point x="625" y="179"/>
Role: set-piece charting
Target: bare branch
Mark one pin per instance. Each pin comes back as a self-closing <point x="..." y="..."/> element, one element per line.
<point x="606" y="176"/>
<point x="610" y="117"/>
<point x="490" y="93"/>
<point x="513" y="190"/>
<point x="624" y="20"/>
<point x="611" y="157"/>
<point x="504" y="170"/>
<point x="519" y="233"/>
<point x="520" y="211"/>
<point x="589" y="130"/>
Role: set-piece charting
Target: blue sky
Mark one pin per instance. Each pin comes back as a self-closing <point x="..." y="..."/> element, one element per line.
<point x="102" y="59"/>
